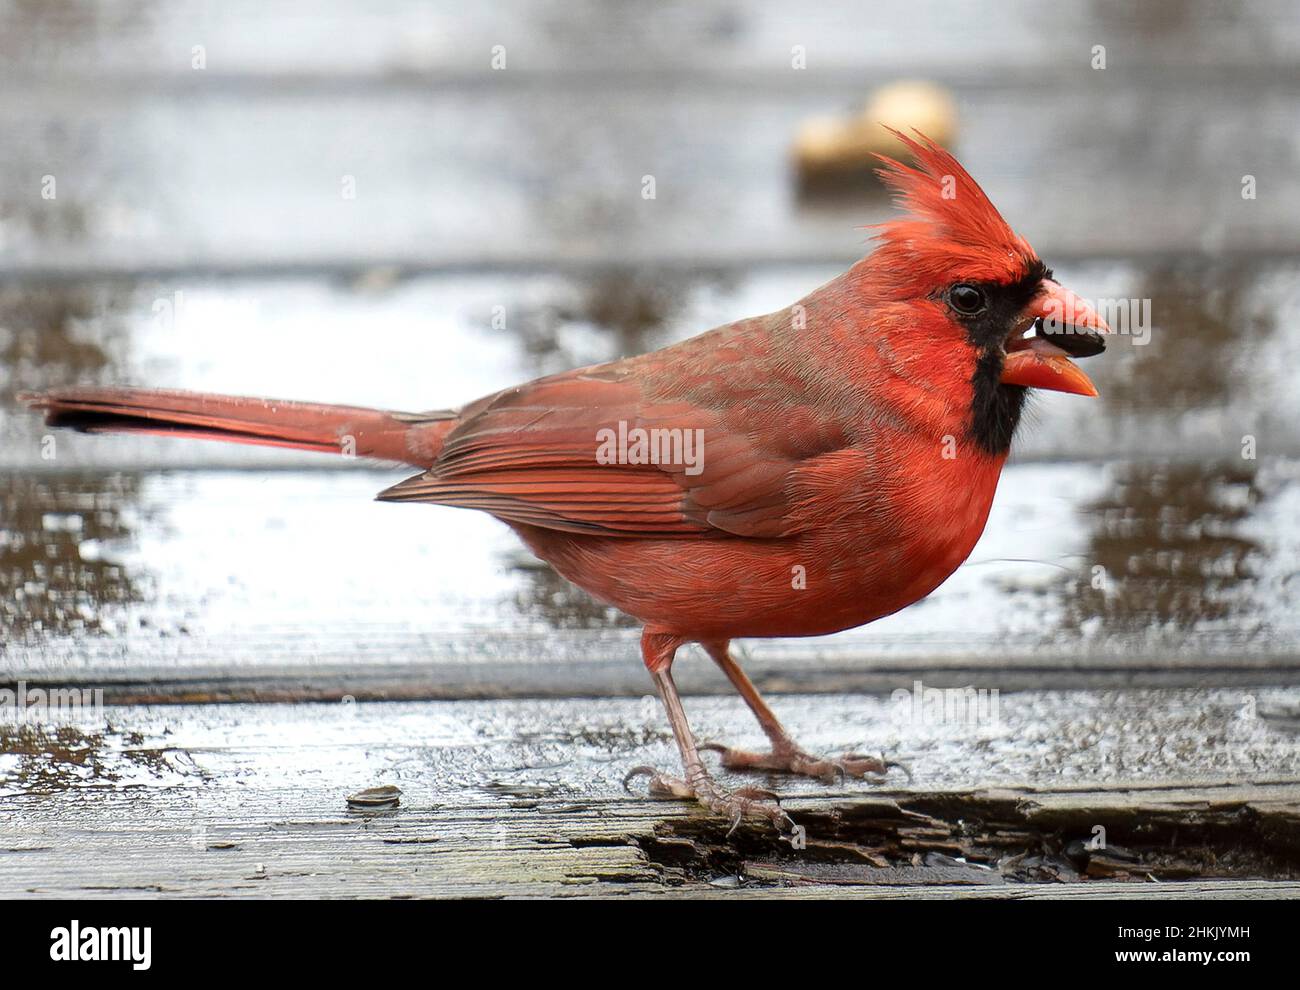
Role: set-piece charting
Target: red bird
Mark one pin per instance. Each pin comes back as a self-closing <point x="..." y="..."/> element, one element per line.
<point x="792" y="474"/>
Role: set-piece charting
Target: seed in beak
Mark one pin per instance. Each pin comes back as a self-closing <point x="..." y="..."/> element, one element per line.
<point x="1076" y="341"/>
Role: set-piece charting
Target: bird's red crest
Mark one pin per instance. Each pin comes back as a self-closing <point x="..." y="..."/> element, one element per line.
<point x="950" y="229"/>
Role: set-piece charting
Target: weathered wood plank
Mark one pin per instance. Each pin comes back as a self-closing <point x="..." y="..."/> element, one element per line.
<point x="415" y="43"/>
<point x="506" y="799"/>
<point x="561" y="849"/>
<point x="307" y="679"/>
<point x="584" y="108"/>
<point x="294" y="585"/>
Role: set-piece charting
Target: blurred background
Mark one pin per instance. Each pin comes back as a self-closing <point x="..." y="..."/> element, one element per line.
<point x="408" y="205"/>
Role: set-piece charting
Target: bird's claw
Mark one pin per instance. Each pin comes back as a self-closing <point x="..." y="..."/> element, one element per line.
<point x="749" y="802"/>
<point x="736" y="806"/>
<point x="661" y="785"/>
<point x="792" y="759"/>
<point x="878" y="765"/>
<point x="895" y="765"/>
<point x="635" y="772"/>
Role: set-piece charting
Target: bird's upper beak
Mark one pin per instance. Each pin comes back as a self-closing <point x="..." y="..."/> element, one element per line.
<point x="1069" y="326"/>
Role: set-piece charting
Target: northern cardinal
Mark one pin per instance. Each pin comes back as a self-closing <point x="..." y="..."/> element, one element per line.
<point x="813" y="469"/>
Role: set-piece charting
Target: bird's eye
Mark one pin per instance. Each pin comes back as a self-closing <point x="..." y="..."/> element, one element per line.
<point x="966" y="299"/>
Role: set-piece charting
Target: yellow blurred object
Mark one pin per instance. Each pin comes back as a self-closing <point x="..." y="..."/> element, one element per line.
<point x="907" y="106"/>
<point x="841" y="150"/>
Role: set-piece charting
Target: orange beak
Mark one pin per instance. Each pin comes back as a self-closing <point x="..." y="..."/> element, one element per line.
<point x="1036" y="362"/>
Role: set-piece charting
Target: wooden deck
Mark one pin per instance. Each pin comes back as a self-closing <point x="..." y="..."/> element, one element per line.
<point x="522" y="799"/>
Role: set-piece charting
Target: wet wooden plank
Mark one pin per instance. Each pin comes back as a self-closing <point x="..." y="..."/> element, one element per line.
<point x="297" y="586"/>
<point x="599" y="848"/>
<point x="506" y="799"/>
<point x="585" y="108"/>
<point x="412" y="41"/>
<point x="305" y="672"/>
<point x="721" y="163"/>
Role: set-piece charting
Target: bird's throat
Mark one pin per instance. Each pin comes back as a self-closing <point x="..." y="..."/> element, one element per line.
<point x="995" y="408"/>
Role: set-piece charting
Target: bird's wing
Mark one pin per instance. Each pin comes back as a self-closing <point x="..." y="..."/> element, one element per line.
<point x="532" y="455"/>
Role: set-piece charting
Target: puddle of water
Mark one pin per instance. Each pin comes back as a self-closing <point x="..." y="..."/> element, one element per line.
<point x="456" y="753"/>
<point x="54" y="577"/>
<point x="38" y="758"/>
<point x="220" y="567"/>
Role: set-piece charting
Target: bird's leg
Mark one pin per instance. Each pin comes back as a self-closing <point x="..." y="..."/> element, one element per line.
<point x="785" y="755"/>
<point x="658" y="651"/>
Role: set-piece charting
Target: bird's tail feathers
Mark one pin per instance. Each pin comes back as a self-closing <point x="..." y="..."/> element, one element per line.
<point x="404" y="438"/>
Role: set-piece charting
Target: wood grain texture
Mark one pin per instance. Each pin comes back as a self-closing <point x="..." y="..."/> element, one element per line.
<point x="522" y="799"/>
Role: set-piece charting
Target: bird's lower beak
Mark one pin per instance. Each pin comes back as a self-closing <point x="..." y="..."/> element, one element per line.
<point x="1043" y="361"/>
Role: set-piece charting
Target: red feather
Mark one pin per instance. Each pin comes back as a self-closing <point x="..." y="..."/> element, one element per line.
<point x="949" y="227"/>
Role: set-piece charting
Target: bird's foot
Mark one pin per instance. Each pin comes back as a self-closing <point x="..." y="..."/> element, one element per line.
<point x="791" y="759"/>
<point x="735" y="806"/>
